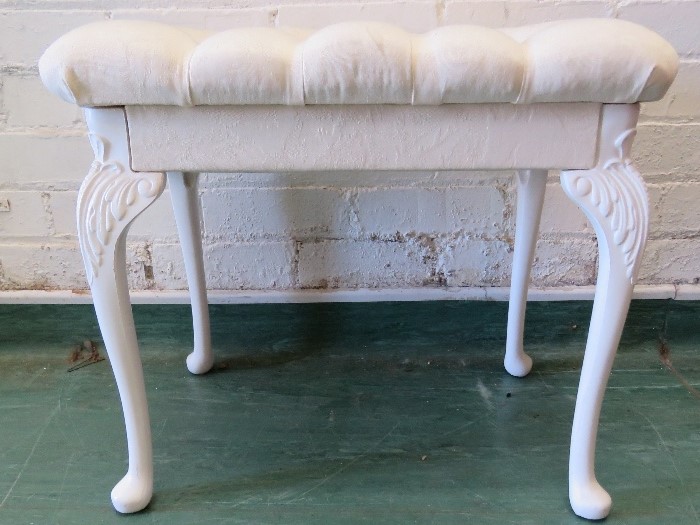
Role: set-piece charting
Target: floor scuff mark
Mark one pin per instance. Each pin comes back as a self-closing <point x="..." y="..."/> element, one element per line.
<point x="485" y="394"/>
<point x="31" y="452"/>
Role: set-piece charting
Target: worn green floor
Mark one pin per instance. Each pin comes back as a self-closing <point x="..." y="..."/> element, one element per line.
<point x="350" y="413"/>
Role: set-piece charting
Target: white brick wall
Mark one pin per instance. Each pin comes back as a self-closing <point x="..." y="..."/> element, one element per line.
<point x="333" y="230"/>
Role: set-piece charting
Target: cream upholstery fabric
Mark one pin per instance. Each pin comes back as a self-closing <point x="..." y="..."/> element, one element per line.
<point x="138" y="63"/>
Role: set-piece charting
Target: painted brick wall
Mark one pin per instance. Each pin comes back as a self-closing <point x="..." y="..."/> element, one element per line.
<point x="276" y="231"/>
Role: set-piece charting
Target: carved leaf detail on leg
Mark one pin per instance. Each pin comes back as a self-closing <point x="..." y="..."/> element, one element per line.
<point x="614" y="194"/>
<point x="109" y="195"/>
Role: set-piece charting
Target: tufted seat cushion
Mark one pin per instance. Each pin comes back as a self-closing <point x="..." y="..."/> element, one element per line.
<point x="143" y="63"/>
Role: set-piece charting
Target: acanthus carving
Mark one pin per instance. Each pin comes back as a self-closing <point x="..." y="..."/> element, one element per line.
<point x="614" y="194"/>
<point x="110" y="197"/>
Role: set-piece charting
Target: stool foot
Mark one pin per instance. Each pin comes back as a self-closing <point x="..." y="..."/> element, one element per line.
<point x="199" y="362"/>
<point x="518" y="364"/>
<point x="133" y="493"/>
<point x="531" y="186"/>
<point x="590" y="500"/>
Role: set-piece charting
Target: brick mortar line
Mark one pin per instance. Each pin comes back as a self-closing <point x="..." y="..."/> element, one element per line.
<point x="645" y="122"/>
<point x="37" y="187"/>
<point x="71" y="186"/>
<point x="70" y="240"/>
<point x="19" y="69"/>
<point x="675" y="236"/>
<point x="654" y="179"/>
<point x="440" y="238"/>
<point x="450" y="237"/>
<point x="340" y="189"/>
<point x="672" y="184"/>
<point x="45" y="132"/>
<point x="31" y="242"/>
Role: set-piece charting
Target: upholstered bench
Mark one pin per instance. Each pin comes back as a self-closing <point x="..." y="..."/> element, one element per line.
<point x="361" y="96"/>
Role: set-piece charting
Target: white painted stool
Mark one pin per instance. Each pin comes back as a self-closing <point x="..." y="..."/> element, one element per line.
<point x="359" y="96"/>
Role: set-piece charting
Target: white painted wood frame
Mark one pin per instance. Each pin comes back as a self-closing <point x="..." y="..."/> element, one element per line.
<point x="136" y="146"/>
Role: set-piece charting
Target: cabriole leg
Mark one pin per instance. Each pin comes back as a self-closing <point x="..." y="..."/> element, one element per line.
<point x="614" y="198"/>
<point x="183" y="190"/>
<point x="531" y="185"/>
<point x="110" y="198"/>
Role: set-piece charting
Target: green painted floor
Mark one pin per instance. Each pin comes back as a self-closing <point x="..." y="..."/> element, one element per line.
<point x="350" y="413"/>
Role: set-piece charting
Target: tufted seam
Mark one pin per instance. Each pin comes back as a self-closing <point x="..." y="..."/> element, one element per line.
<point x="527" y="65"/>
<point x="187" y="91"/>
<point x="413" y="66"/>
<point x="188" y="78"/>
<point x="303" y="71"/>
